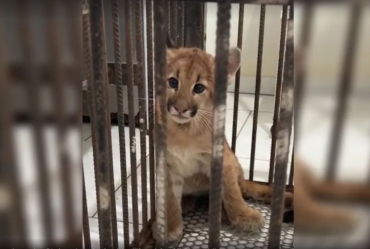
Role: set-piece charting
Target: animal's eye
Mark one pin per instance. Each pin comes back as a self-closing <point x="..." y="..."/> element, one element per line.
<point x="199" y="88"/>
<point x="173" y="83"/>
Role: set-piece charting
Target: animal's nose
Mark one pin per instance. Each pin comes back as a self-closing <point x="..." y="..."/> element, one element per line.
<point x="180" y="110"/>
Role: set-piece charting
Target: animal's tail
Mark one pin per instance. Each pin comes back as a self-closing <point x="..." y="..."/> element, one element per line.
<point x="261" y="192"/>
<point x="342" y="191"/>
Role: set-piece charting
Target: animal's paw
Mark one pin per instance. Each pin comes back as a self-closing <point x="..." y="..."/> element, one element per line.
<point x="173" y="234"/>
<point x="249" y="220"/>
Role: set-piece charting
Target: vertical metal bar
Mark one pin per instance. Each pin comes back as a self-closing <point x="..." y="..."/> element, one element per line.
<point x="194" y="24"/>
<point x="76" y="48"/>
<point x="12" y="222"/>
<point x="149" y="35"/>
<point x="219" y="113"/>
<point x="344" y="89"/>
<point x="89" y="78"/>
<point x="160" y="24"/>
<point x="291" y="173"/>
<point x="278" y="90"/>
<point x="142" y="105"/>
<point x="102" y="131"/>
<point x="34" y="85"/>
<point x="174" y="21"/>
<point x="181" y="24"/>
<point x="257" y="89"/>
<point x="130" y="83"/>
<point x="121" y="120"/>
<point x="237" y="79"/>
<point x="169" y="19"/>
<point x="85" y="218"/>
<point x="300" y="79"/>
<point x="57" y="81"/>
<point x="284" y="130"/>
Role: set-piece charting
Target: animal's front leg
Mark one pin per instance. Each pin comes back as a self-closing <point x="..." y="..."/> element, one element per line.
<point x="241" y="216"/>
<point x="177" y="186"/>
<point x="174" y="215"/>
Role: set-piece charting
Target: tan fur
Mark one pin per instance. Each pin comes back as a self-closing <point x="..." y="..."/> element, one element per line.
<point x="189" y="145"/>
<point x="314" y="216"/>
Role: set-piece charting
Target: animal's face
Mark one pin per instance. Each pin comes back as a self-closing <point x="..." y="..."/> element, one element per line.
<point x="190" y="83"/>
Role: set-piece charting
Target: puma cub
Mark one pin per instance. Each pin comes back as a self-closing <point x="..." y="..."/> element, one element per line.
<point x="190" y="86"/>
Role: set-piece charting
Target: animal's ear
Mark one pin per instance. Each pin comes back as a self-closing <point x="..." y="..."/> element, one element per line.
<point x="170" y="53"/>
<point x="234" y="61"/>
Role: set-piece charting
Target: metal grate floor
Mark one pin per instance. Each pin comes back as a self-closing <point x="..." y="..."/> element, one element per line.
<point x="196" y="232"/>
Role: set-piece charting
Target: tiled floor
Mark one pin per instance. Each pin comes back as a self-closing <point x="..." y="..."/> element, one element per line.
<point x="196" y="232"/>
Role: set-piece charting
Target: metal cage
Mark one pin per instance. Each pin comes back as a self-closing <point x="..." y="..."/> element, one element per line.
<point x="143" y="66"/>
<point x="172" y="18"/>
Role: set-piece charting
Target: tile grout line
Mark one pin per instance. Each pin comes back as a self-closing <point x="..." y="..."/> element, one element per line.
<point x="244" y="123"/>
<point x="87" y="138"/>
<point x="115" y="191"/>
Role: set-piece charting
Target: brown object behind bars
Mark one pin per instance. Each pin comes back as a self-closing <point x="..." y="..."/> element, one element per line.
<point x="313" y="215"/>
<point x="189" y="143"/>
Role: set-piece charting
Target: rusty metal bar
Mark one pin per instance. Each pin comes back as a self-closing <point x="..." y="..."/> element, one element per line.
<point x="194" y="24"/>
<point x="34" y="86"/>
<point x="284" y="130"/>
<point x="102" y="132"/>
<point x="257" y="90"/>
<point x="278" y="91"/>
<point x="149" y="35"/>
<point x="269" y="2"/>
<point x="73" y="10"/>
<point x="300" y="69"/>
<point x="344" y="90"/>
<point x="142" y="105"/>
<point x="58" y="79"/>
<point x="173" y="20"/>
<point x="89" y="78"/>
<point x="85" y="216"/>
<point x="181" y="24"/>
<point x="132" y="133"/>
<point x="237" y="80"/>
<point x="6" y="160"/>
<point x="12" y="216"/>
<point x="219" y="114"/>
<point x="121" y="120"/>
<point x="160" y="24"/>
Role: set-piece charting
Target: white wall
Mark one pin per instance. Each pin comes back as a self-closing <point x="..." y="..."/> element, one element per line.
<point x="329" y="31"/>
<point x="325" y="56"/>
<point x="250" y="43"/>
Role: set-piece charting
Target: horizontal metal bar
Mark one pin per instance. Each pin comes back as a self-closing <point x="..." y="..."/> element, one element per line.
<point x="17" y="72"/>
<point x="271" y="2"/>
